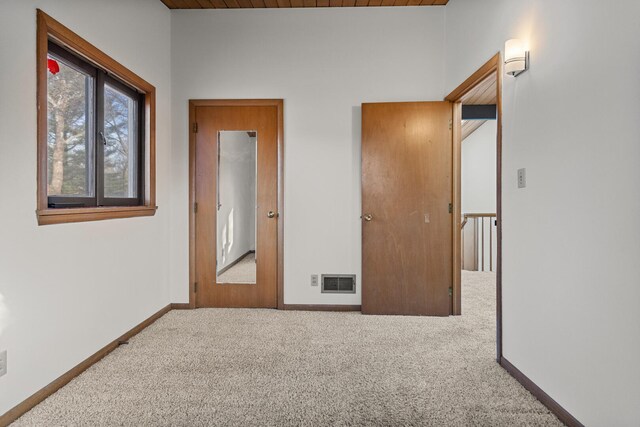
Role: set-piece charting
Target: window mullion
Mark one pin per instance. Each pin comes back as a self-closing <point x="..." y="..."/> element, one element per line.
<point x="100" y="139"/>
<point x="91" y="152"/>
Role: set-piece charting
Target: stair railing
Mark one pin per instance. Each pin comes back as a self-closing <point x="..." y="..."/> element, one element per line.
<point x="478" y="248"/>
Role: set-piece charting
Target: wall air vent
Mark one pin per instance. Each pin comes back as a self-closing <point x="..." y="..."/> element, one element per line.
<point x="339" y="283"/>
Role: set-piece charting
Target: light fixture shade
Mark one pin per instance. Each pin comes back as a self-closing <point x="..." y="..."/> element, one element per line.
<point x="515" y="57"/>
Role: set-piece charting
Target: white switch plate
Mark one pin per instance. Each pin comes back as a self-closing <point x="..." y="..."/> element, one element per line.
<point x="3" y="363"/>
<point x="314" y="280"/>
<point x="522" y="178"/>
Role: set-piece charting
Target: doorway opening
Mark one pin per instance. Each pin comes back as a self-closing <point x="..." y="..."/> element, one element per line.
<point x="236" y="226"/>
<point x="477" y="134"/>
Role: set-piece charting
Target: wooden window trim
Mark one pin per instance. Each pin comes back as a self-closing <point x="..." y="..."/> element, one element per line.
<point x="50" y="29"/>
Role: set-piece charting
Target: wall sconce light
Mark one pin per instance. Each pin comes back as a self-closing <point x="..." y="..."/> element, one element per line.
<point x="516" y="59"/>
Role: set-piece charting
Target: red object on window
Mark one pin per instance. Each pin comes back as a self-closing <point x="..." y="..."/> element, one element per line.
<point x="53" y="66"/>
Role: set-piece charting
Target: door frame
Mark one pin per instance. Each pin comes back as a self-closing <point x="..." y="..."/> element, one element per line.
<point x="494" y="65"/>
<point x="279" y="104"/>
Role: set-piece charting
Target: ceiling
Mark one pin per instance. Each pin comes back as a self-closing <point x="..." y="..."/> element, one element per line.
<point x="250" y="4"/>
<point x="470" y="126"/>
<point x="486" y="93"/>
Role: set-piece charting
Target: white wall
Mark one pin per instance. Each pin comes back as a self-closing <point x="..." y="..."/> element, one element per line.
<point x="571" y="238"/>
<point x="479" y="170"/>
<point x="237" y="213"/>
<point x="71" y="289"/>
<point x="324" y="63"/>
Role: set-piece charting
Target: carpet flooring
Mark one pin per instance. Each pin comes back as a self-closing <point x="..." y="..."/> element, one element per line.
<point x="243" y="272"/>
<point x="234" y="367"/>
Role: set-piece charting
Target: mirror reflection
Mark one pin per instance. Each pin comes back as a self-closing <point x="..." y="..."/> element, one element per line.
<point x="236" y="188"/>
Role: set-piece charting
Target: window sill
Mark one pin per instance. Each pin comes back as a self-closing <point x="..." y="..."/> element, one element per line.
<point x="61" y="216"/>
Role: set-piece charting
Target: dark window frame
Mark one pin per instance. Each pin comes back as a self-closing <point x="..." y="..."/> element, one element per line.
<point x="96" y="144"/>
<point x="50" y="29"/>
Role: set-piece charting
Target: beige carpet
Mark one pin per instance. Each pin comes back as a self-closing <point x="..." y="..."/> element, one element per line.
<point x="243" y="272"/>
<point x="231" y="367"/>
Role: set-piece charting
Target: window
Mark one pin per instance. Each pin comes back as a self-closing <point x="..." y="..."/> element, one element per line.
<point x="93" y="149"/>
<point x="96" y="139"/>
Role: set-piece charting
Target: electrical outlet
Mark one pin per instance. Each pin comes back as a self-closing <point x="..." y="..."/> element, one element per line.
<point x="3" y="363"/>
<point x="522" y="178"/>
<point x="314" y="280"/>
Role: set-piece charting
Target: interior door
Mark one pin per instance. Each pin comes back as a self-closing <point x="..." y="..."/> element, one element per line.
<point x="236" y="192"/>
<point x="407" y="190"/>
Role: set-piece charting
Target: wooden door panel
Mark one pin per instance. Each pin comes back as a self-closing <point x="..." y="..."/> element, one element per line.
<point x="211" y="120"/>
<point x="407" y="188"/>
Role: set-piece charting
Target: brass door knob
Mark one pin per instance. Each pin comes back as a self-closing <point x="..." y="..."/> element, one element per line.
<point x="271" y="214"/>
<point x="368" y="217"/>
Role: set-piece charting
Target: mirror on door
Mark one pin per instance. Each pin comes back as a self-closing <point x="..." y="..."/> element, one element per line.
<point x="236" y="201"/>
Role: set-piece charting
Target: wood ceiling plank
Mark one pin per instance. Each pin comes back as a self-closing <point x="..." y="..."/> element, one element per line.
<point x="250" y="4"/>
<point x="489" y="95"/>
<point x="484" y="93"/>
<point x="471" y="97"/>
<point x="481" y="90"/>
<point x="170" y="4"/>
<point x="470" y="126"/>
<point x="181" y="4"/>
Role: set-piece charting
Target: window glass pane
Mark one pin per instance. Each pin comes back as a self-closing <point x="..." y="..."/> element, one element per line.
<point x="121" y="144"/>
<point x="69" y="124"/>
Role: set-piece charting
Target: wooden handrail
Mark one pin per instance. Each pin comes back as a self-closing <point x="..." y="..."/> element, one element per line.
<point x="478" y="215"/>
<point x="475" y="217"/>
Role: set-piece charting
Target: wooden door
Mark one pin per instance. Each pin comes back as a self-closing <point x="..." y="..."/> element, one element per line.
<point x="211" y="121"/>
<point x="407" y="189"/>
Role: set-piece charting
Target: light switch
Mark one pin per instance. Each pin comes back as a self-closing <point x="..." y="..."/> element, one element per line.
<point x="522" y="178"/>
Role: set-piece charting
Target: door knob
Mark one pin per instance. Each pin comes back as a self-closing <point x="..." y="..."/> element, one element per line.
<point x="271" y="214"/>
<point x="368" y="217"/>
